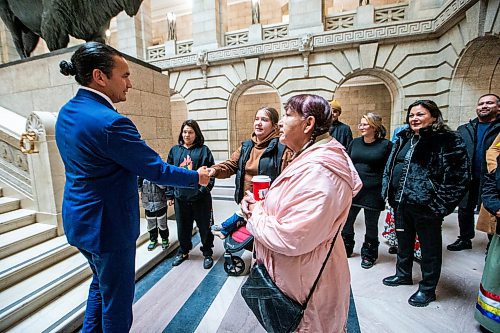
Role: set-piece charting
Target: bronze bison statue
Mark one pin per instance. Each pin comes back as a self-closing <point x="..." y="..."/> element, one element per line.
<point x="56" y="20"/>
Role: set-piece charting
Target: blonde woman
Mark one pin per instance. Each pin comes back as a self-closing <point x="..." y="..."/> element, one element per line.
<point x="369" y="153"/>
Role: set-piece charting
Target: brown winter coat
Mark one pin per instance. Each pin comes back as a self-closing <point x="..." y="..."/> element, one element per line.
<point x="485" y="221"/>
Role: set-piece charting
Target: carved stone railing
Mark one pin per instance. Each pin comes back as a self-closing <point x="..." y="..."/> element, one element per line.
<point x="46" y="167"/>
<point x="339" y="22"/>
<point x="170" y="48"/>
<point x="14" y="168"/>
<point x="30" y="163"/>
<point x="236" y="37"/>
<point x="275" y="31"/>
<point x="391" y="14"/>
<point x="184" y="47"/>
<point x="156" y="52"/>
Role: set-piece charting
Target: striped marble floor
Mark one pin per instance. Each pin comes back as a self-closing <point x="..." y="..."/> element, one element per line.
<point x="189" y="298"/>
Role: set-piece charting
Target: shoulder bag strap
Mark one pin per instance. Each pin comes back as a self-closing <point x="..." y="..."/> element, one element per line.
<point x="321" y="270"/>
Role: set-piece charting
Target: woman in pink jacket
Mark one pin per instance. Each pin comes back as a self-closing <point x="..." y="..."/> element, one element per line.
<point x="306" y="205"/>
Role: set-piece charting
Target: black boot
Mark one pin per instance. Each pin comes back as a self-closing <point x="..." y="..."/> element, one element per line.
<point x="349" y="244"/>
<point x="369" y="252"/>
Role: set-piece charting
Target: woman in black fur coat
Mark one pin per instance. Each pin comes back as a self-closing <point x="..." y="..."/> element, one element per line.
<point x="424" y="179"/>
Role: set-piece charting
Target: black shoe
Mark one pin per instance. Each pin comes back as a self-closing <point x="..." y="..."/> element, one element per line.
<point x="393" y="250"/>
<point x="421" y="298"/>
<point x="180" y="258"/>
<point x="395" y="280"/>
<point x="208" y="262"/>
<point x="460" y="244"/>
<point x="367" y="262"/>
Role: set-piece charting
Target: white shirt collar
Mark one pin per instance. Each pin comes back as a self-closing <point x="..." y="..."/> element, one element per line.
<point x="100" y="94"/>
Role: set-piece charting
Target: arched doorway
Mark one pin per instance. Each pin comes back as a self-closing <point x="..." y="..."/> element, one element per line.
<point x="474" y="76"/>
<point x="243" y="105"/>
<point x="361" y="94"/>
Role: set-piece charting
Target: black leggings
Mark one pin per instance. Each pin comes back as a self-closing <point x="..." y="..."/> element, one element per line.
<point x="371" y="223"/>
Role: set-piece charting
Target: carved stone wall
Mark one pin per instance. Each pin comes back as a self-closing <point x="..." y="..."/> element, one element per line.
<point x="417" y="59"/>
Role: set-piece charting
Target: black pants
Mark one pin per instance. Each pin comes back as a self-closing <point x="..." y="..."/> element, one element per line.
<point x="371" y="223"/>
<point x="419" y="219"/>
<point x="466" y="214"/>
<point x="186" y="213"/>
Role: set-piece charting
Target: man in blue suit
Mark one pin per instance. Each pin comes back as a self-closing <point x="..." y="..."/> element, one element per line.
<point x="103" y="153"/>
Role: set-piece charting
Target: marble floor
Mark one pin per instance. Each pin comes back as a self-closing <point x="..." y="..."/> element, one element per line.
<point x="189" y="298"/>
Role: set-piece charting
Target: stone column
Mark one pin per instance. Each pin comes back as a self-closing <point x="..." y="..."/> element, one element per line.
<point x="135" y="33"/>
<point x="306" y="16"/>
<point x="8" y="51"/>
<point x="209" y="24"/>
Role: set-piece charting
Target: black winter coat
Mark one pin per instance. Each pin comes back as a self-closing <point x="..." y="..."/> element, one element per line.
<point x="468" y="133"/>
<point x="438" y="171"/>
<point x="341" y="132"/>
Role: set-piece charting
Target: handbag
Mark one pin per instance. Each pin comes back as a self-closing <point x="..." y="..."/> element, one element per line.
<point x="276" y="312"/>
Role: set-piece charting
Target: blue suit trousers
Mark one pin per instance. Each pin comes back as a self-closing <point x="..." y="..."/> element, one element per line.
<point x="111" y="293"/>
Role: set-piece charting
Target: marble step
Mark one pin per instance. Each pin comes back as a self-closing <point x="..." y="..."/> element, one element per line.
<point x="65" y="313"/>
<point x="16" y="219"/>
<point x="9" y="204"/>
<point x="27" y="296"/>
<point x="20" y="266"/>
<point x="20" y="239"/>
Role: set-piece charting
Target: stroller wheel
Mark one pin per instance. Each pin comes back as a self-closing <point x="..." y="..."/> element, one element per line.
<point x="236" y="267"/>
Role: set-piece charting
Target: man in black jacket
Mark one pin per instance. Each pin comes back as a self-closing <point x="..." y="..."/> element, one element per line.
<point x="478" y="135"/>
<point x="340" y="131"/>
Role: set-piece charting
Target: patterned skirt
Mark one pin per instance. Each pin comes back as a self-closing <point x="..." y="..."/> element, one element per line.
<point x="389" y="233"/>
<point x="488" y="301"/>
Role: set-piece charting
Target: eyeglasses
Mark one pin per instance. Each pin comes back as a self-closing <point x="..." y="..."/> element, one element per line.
<point x="363" y="125"/>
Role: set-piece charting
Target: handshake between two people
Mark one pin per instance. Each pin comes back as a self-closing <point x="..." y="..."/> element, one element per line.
<point x="204" y="174"/>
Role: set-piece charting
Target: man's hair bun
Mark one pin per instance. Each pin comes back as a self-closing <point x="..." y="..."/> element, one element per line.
<point x="67" y="68"/>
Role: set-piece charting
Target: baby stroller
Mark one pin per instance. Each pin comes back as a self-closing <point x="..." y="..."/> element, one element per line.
<point x="240" y="239"/>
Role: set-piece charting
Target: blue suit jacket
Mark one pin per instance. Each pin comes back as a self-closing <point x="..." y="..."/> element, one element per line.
<point x="103" y="153"/>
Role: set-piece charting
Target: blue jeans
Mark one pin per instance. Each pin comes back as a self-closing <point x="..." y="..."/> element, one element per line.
<point x="111" y="292"/>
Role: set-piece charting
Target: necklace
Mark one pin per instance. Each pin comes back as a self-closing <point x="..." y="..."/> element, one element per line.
<point x="412" y="144"/>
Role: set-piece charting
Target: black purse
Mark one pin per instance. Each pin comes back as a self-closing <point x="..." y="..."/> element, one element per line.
<point x="276" y="312"/>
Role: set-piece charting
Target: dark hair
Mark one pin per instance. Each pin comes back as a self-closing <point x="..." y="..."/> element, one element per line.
<point x="312" y="105"/>
<point x="375" y="120"/>
<point x="433" y="109"/>
<point x="90" y="56"/>
<point x="273" y="115"/>
<point x="199" y="140"/>
<point x="490" y="94"/>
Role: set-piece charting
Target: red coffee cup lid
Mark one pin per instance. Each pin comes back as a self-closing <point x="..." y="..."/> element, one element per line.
<point x="261" y="179"/>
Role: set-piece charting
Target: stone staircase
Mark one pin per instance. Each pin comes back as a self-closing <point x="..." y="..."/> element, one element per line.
<point x="43" y="280"/>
